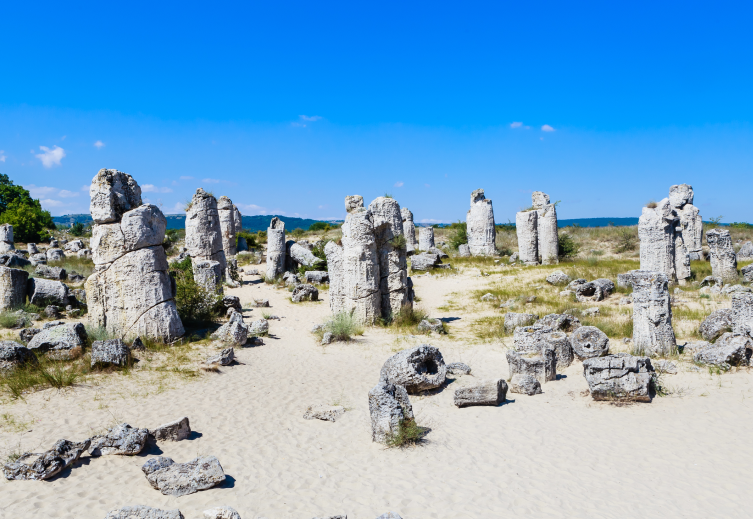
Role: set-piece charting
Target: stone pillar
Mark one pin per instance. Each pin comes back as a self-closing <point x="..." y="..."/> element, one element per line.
<point x="652" y="314"/>
<point x="6" y="237"/>
<point x="12" y="287"/>
<point x="526" y="226"/>
<point x="276" y="248"/>
<point x="480" y="226"/>
<point x="656" y="231"/>
<point x="238" y="219"/>
<point x="336" y="294"/>
<point x="691" y="223"/>
<point x="546" y="227"/>
<point x="203" y="230"/>
<point x="742" y="313"/>
<point x="208" y="274"/>
<point x="130" y="293"/>
<point x="425" y="238"/>
<point x="723" y="257"/>
<point x="226" y="211"/>
<point x="386" y="217"/>
<point x="360" y="265"/>
<point x="409" y="230"/>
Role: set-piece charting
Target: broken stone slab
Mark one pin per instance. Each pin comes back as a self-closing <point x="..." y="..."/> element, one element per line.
<point x="458" y="368"/>
<point x="121" y="440"/>
<point x="13" y="285"/>
<point x="258" y="327"/>
<point x="716" y="324"/>
<point x="438" y="252"/>
<point x="731" y="349"/>
<point x="732" y="289"/>
<point x="44" y="292"/>
<point x="329" y="413"/>
<point x="542" y="365"/>
<point x="619" y="377"/>
<point x="593" y="291"/>
<point x="112" y="352"/>
<point x="261" y="303"/>
<point x="55" y="255"/>
<point x="484" y="392"/>
<point x="525" y="385"/>
<point x="233" y="332"/>
<point x="431" y="325"/>
<point x="61" y="340"/>
<point x="588" y="342"/>
<point x="424" y="261"/>
<point x="305" y="292"/>
<point x="174" y="431"/>
<point x="464" y="250"/>
<point x="221" y="512"/>
<point x="558" y="278"/>
<point x="425" y="238"/>
<point x="559" y="322"/>
<point x="389" y="407"/>
<point x="722" y="255"/>
<point x="514" y="320"/>
<point x="563" y="350"/>
<point x="303" y="256"/>
<point x="38" y="259"/>
<point x="143" y="512"/>
<point x="316" y="276"/>
<point x="13" y="355"/>
<point x="527" y="338"/>
<point x="180" y="479"/>
<point x="224" y="358"/>
<point x="47" y="272"/>
<point x="652" y="314"/>
<point x="39" y="466"/>
<point x="207" y="273"/>
<point x="416" y="369"/>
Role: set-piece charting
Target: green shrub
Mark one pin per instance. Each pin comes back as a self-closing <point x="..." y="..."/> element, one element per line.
<point x="567" y="248"/>
<point x="627" y="239"/>
<point x="77" y="229"/>
<point x="249" y="236"/>
<point x="409" y="433"/>
<point x="741" y="225"/>
<point x="399" y="241"/>
<point x="196" y="305"/>
<point x="319" y="226"/>
<point x="30" y="223"/>
<point x="317" y="251"/>
<point x="459" y="234"/>
<point x="297" y="232"/>
<point x="343" y="327"/>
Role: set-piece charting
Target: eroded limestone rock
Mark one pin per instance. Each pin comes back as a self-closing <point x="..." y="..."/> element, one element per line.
<point x="409" y="230"/>
<point x="13" y="284"/>
<point x="203" y="230"/>
<point x="180" y="479"/>
<point x="717" y="323"/>
<point x="588" y="342"/>
<point x="482" y="234"/>
<point x="652" y="314"/>
<point x="425" y="238"/>
<point x="389" y="406"/>
<point x="226" y="211"/>
<point x="484" y="392"/>
<point x="722" y="255"/>
<point x="619" y="377"/>
<point x="174" y="431"/>
<point x="39" y="466"/>
<point x="143" y="512"/>
<point x="121" y="439"/>
<point x="416" y="369"/>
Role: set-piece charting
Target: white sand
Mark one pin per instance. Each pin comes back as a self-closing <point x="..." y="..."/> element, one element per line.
<point x="553" y="455"/>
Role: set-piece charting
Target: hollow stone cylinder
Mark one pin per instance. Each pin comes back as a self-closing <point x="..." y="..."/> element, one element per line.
<point x="652" y="313"/>
<point x="480" y="225"/>
<point x="723" y="257"/>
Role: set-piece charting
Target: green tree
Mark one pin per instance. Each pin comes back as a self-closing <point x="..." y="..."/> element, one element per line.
<point x="10" y="192"/>
<point x="29" y="221"/>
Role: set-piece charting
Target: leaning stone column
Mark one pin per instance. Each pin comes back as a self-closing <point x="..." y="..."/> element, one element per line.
<point x="409" y="230"/>
<point x="130" y="293"/>
<point x="334" y="254"/>
<point x="480" y="225"/>
<point x="203" y="230"/>
<point x="723" y="257"/>
<point x="546" y="227"/>
<point x="652" y="313"/>
<point x="6" y="237"/>
<point x="656" y="231"/>
<point x="425" y="238"/>
<point x="226" y="211"/>
<point x="526" y="227"/>
<point x="276" y="248"/>
<point x="393" y="268"/>
<point x="360" y="265"/>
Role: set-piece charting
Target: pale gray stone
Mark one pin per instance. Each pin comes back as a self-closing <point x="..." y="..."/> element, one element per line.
<point x="360" y="268"/>
<point x="389" y="515"/>
<point x="303" y="256"/>
<point x="203" y="230"/>
<point x="389" y="406"/>
<point x="558" y="278"/>
<point x="276" y="248"/>
<point x="438" y="252"/>
<point x="409" y="230"/>
<point x="334" y="254"/>
<point x="233" y="332"/>
<point x="55" y="255"/>
<point x="425" y="238"/>
<point x="680" y="195"/>
<point x="39" y="466"/>
<point x="328" y="338"/>
<point x="548" y="236"/>
<point x="180" y="479"/>
<point x="588" y="342"/>
<point x="623" y="280"/>
<point x="208" y="273"/>
<point x="113" y="352"/>
<point x="47" y="272"/>
<point x="112" y="193"/>
<point x="481" y="232"/>
<point x="525" y="385"/>
<point x="329" y="413"/>
<point x="484" y="392"/>
<point x="62" y="340"/>
<point x="563" y="350"/>
<point x="305" y="293"/>
<point x="317" y="276"/>
<point x="221" y="512"/>
<point x="619" y="377"/>
<point x="665" y="366"/>
<point x="513" y="320"/>
<point x="121" y="439"/>
<point x="225" y="358"/>
<point x="226" y="211"/>
<point x="6" y="237"/>
<point x="424" y="261"/>
<point x="143" y="512"/>
<point x="258" y="327"/>
<point x="464" y="251"/>
<point x="514" y="257"/>
<point x="526" y="227"/>
<point x="391" y="255"/>
<point x="417" y="369"/>
<point x="742" y="316"/>
<point x="13" y="355"/>
<point x="38" y="259"/>
<point x="541" y="364"/>
<point x="44" y="292"/>
<point x="733" y="289"/>
<point x="652" y="314"/>
<point x="559" y="322"/>
<point x="722" y="255"/>
<point x="746" y="252"/>
<point x="32" y="248"/>
<point x="658" y="239"/>
<point x="731" y="349"/>
<point x="74" y="246"/>
<point x="238" y="219"/>
<point x="353" y="203"/>
<point x="174" y="431"/>
<point x="691" y="225"/>
<point x="593" y="291"/>
<point x="431" y="325"/>
<point x="528" y="338"/>
<point x="13" y="287"/>
<point x="458" y="368"/>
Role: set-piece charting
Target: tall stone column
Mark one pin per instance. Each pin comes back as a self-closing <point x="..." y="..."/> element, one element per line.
<point x="238" y="219"/>
<point x="409" y="230"/>
<point x="656" y="231"/>
<point x="203" y="230"/>
<point x="226" y="211"/>
<point x="334" y="254"/>
<point x="360" y="265"/>
<point x="480" y="225"/>
<point x="393" y="267"/>
<point x="425" y="238"/>
<point x="652" y="313"/>
<point x="723" y="257"/>
<point x="526" y="227"/>
<point x="276" y="248"/>
<point x="691" y="223"/>
<point x="742" y="313"/>
<point x="546" y="228"/>
<point x="130" y="293"/>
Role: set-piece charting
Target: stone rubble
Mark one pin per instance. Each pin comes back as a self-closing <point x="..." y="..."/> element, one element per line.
<point x="174" y="431"/>
<point x="389" y="406"/>
<point x="40" y="466"/>
<point x="121" y="440"/>
<point x="180" y="479"/>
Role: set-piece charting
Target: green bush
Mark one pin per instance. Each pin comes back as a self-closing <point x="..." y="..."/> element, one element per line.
<point x="317" y="251"/>
<point x="297" y="232"/>
<point x="196" y="305"/>
<point x="409" y="433"/>
<point x="459" y="234"/>
<point x="627" y="239"/>
<point x="30" y="223"/>
<point x="567" y="248"/>
<point x="77" y="229"/>
<point x="319" y="226"/>
<point x="249" y="236"/>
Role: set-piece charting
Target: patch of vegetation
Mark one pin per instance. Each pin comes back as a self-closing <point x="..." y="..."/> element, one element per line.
<point x="458" y="234"/>
<point x="250" y="238"/>
<point x="317" y="251"/>
<point x="627" y="239"/>
<point x="409" y="433"/>
<point x="343" y="327"/>
<point x="30" y="222"/>
<point x="197" y="306"/>
<point x="741" y="225"/>
<point x="47" y="373"/>
<point x="652" y="204"/>
<point x="83" y="266"/>
<point x="399" y="242"/>
<point x="566" y="246"/>
<point x="297" y="232"/>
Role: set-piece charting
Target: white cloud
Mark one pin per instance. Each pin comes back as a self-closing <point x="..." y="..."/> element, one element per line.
<point x="210" y="181"/>
<point x="310" y="118"/>
<point x="186" y="178"/>
<point x="399" y="184"/>
<point x="67" y="194"/>
<point x="41" y="191"/>
<point x="427" y="185"/>
<point x="51" y="157"/>
<point x="251" y="209"/>
<point x="151" y="188"/>
<point x="85" y="188"/>
<point x="516" y="125"/>
<point x="99" y="144"/>
<point x="179" y="207"/>
<point x="431" y="220"/>
<point x="547" y="128"/>
<point x="2" y="156"/>
<point x="322" y="206"/>
<point x="48" y="202"/>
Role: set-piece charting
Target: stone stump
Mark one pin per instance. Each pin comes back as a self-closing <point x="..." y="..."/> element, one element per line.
<point x="425" y="238"/>
<point x="546" y="226"/>
<point x="6" y="238"/>
<point x="12" y="287"/>
<point x="391" y="254"/>
<point x="226" y="211"/>
<point x="723" y="257"/>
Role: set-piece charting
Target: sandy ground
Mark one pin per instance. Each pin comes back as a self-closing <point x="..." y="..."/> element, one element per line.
<point x="558" y="454"/>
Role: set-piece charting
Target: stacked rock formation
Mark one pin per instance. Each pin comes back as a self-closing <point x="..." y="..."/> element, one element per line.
<point x="537" y="232"/>
<point x="662" y="245"/>
<point x="6" y="237"/>
<point x="204" y="235"/>
<point x="652" y="313"/>
<point x="480" y="225"/>
<point x="722" y="255"/>
<point x="691" y="223"/>
<point x="425" y="238"/>
<point x="368" y="274"/>
<point x="409" y="230"/>
<point x="226" y="211"/>
<point x="276" y="248"/>
<point x="130" y="293"/>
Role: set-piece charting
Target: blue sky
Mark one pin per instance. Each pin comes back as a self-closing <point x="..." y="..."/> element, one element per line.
<point x="287" y="108"/>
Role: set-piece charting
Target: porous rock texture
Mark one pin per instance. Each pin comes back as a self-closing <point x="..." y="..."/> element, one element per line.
<point x="662" y="248"/>
<point x="221" y="512"/>
<point x="329" y="413"/>
<point x="334" y="254"/>
<point x="731" y="349"/>
<point x="360" y="267"/>
<point x="464" y="251"/>
<point x="45" y="292"/>
<point x="691" y="223"/>
<point x="39" y="466"/>
<point x="526" y="228"/>
<point x="722" y="255"/>
<point x="409" y="230"/>
<point x="717" y="323"/>
<point x="546" y="227"/>
<point x="208" y="273"/>
<point x="61" y="340"/>
<point x="588" y="342"/>
<point x="302" y="255"/>
<point x="416" y="369"/>
<point x="174" y="431"/>
<point x="742" y="313"/>
<point x="130" y="293"/>
<point x="525" y="385"/>
<point x="13" y="284"/>
<point x="559" y="322"/>
<point x="482" y="234"/>
<point x="746" y="251"/>
<point x="389" y="406"/>
<point x="203" y="230"/>
<point x="6" y="238"/>
<point x="13" y="355"/>
<point x="425" y="238"/>
<point x="652" y="314"/>
<point x="391" y="255"/>
<point x="223" y="358"/>
<point x="513" y="320"/>
<point x="121" y="439"/>
<point x="484" y="392"/>
<point x="619" y="377"/>
<point x="112" y="352"/>
<point x="226" y="212"/>
<point x="305" y="292"/>
<point x="563" y="350"/>
<point x="558" y="278"/>
<point x="527" y="338"/>
<point x="747" y="273"/>
<point x="541" y="365"/>
<point x="143" y="512"/>
<point x="180" y="479"/>
<point x="276" y="248"/>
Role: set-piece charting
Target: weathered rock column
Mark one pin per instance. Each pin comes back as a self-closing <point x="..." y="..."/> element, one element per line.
<point x="6" y="237"/>
<point x="546" y="227"/>
<point x="12" y="287"/>
<point x="276" y="248"/>
<point x="691" y="223"/>
<point x="238" y="219"/>
<point x="742" y="313"/>
<point x="361" y="279"/>
<point x="723" y="257"/>
<point x="130" y="293"/>
<point x="652" y="314"/>
<point x="409" y="230"/>
<point x="203" y="230"/>
<point x="425" y="238"/>
<point x="334" y="254"/>
<point x="482" y="234"/>
<point x="393" y="268"/>
<point x="526" y="227"/>
<point x="226" y="211"/>
<point x="656" y="231"/>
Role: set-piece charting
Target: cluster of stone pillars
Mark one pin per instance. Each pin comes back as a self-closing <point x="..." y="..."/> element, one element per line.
<point x="538" y="238"/>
